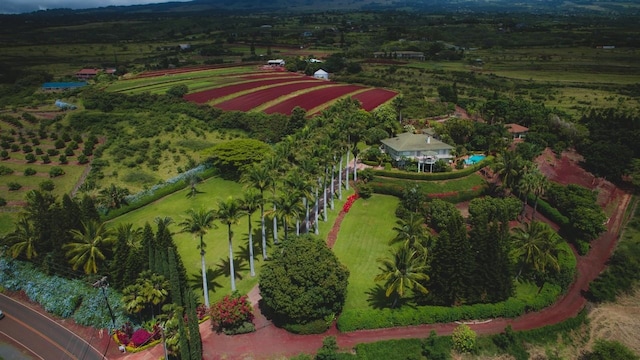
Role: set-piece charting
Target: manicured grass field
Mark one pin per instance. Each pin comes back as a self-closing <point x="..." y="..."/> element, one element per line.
<point x="364" y="237"/>
<point x="214" y="189"/>
<point x="437" y="187"/>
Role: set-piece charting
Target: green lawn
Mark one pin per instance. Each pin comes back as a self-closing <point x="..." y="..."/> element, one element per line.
<point x="437" y="186"/>
<point x="214" y="189"/>
<point x="364" y="236"/>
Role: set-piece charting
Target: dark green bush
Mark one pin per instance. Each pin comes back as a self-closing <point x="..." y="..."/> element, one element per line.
<point x="29" y="171"/>
<point x="314" y="327"/>
<point x="3" y="201"/>
<point x="47" y="185"/>
<point x="13" y="186"/>
<point x="55" y="172"/>
<point x="245" y="328"/>
<point x="30" y="158"/>
<point x="5" y="170"/>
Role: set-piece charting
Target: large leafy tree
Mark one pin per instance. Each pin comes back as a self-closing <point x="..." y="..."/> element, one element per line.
<point x="404" y="270"/>
<point x="198" y="223"/>
<point x="233" y="156"/>
<point x="304" y="281"/>
<point x="89" y="246"/>
<point x="229" y="213"/>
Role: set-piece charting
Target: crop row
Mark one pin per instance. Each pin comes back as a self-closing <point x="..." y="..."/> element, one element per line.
<point x="204" y="96"/>
<point x="313" y="99"/>
<point x="371" y="99"/>
<point x="254" y="99"/>
<point x="163" y="72"/>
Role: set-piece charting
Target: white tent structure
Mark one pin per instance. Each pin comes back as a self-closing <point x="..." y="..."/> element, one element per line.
<point x="321" y="74"/>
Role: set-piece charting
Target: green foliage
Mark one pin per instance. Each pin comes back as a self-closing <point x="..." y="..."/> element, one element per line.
<point x="365" y="190"/>
<point x="402" y="349"/>
<point x="47" y="185"/>
<point x="178" y="91"/>
<point x="329" y="349"/>
<point x="30" y="158"/>
<point x="610" y="350"/>
<point x="464" y="339"/>
<point x="303" y="282"/>
<point x="3" y="201"/>
<point x="436" y="176"/>
<point x="29" y="171"/>
<point x="233" y="156"/>
<point x="5" y="170"/>
<point x="56" y="171"/>
<point x="318" y="326"/>
<point x="13" y="186"/>
<point x="586" y="218"/>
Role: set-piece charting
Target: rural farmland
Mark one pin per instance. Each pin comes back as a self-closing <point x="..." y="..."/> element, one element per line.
<point x="256" y="89"/>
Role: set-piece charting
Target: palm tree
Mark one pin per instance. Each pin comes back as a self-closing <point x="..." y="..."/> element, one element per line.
<point x="526" y="185"/>
<point x="251" y="202"/>
<point x="154" y="289"/>
<point x="536" y="246"/>
<point x="296" y="182"/>
<point x="398" y="104"/>
<point x="260" y="178"/>
<point x="289" y="209"/>
<point x="229" y="212"/>
<point x="274" y="166"/>
<point x="114" y="196"/>
<point x="406" y="269"/>
<point x="412" y="233"/>
<point x="197" y="224"/>
<point x="540" y="188"/>
<point x="508" y="166"/>
<point x="89" y="246"/>
<point x="23" y="239"/>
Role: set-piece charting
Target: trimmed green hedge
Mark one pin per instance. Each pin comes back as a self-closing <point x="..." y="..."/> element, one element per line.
<point x="436" y="176"/>
<point x="351" y="320"/>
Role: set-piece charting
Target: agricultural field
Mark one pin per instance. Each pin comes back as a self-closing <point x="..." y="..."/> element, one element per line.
<point x="252" y="89"/>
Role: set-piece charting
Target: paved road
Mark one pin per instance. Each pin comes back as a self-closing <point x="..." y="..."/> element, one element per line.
<point x="44" y="338"/>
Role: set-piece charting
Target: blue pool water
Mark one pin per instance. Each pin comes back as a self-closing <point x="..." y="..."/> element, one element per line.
<point x="474" y="159"/>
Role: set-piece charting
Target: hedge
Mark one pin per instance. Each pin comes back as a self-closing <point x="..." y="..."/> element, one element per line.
<point x="397" y="189"/>
<point x="358" y="319"/>
<point x="436" y="176"/>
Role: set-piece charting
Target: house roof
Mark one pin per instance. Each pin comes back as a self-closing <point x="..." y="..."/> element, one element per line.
<point x="87" y="72"/>
<point x="515" y="128"/>
<point x="415" y="142"/>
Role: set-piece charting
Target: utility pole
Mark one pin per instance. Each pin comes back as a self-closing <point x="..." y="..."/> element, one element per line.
<point x="102" y="284"/>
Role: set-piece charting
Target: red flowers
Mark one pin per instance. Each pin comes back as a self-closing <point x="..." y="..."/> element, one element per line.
<point x="350" y="200"/>
<point x="232" y="311"/>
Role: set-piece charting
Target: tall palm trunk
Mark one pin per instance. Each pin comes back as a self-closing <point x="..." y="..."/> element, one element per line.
<point x="205" y="287"/>
<point x="324" y="194"/>
<point x="306" y="215"/>
<point x="333" y="187"/>
<point x="251" y="262"/>
<point x="232" y="272"/>
<point x="340" y="179"/>
<point x="347" y="177"/>
<point x="317" y="208"/>
<point x="275" y="225"/>
<point x="264" y="233"/>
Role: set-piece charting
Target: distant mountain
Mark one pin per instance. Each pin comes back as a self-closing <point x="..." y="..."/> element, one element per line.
<point x="602" y="7"/>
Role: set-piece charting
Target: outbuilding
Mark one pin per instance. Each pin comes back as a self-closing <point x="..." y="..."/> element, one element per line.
<point x="321" y="74"/>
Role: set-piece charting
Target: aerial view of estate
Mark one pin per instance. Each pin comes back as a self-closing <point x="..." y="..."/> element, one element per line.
<point x="425" y="179"/>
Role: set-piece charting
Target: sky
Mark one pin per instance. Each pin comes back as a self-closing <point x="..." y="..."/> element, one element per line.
<point x="21" y="6"/>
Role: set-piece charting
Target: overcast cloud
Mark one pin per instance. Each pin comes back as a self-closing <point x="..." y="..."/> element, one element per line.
<point x="21" y="6"/>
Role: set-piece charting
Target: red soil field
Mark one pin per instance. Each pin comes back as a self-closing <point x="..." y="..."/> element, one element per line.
<point x="252" y="100"/>
<point x="204" y="96"/>
<point x="371" y="99"/>
<point x="312" y="99"/>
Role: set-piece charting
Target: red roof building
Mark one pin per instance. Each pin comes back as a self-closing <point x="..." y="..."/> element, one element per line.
<point x="517" y="131"/>
<point x="86" y="74"/>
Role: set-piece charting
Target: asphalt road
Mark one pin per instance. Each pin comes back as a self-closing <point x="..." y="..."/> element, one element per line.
<point x="44" y="338"/>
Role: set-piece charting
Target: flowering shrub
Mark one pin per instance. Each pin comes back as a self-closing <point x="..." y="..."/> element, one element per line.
<point x="350" y="200"/>
<point x="141" y="337"/>
<point x="201" y="311"/>
<point x="232" y="312"/>
<point x="124" y="333"/>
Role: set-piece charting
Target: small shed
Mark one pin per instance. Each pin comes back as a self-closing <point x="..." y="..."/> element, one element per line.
<point x="321" y="74"/>
<point x="276" y="62"/>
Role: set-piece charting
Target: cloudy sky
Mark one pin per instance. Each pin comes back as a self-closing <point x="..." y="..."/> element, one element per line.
<point x="20" y="6"/>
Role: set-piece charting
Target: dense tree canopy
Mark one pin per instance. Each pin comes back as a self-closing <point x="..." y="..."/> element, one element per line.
<point x="304" y="281"/>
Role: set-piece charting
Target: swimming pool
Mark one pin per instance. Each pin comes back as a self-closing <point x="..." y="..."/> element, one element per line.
<point x="474" y="159"/>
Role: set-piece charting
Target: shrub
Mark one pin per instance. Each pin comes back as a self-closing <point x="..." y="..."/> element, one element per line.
<point x="232" y="312"/>
<point x="13" y="186"/>
<point x="30" y="158"/>
<point x="5" y="170"/>
<point x="3" y="201"/>
<point x="364" y="190"/>
<point x="141" y="337"/>
<point x="27" y="149"/>
<point x="464" y="339"/>
<point x="46" y="159"/>
<point x="610" y="350"/>
<point x="53" y="152"/>
<point x="29" y="171"/>
<point x="4" y="155"/>
<point x="69" y="151"/>
<point x="47" y="185"/>
<point x="55" y="172"/>
<point x="39" y="151"/>
<point x="313" y="327"/>
<point x="83" y="159"/>
<point x="63" y="159"/>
